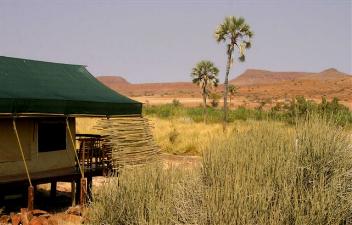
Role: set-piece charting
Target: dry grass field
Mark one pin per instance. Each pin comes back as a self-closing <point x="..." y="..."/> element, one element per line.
<point x="180" y="136"/>
<point x="258" y="172"/>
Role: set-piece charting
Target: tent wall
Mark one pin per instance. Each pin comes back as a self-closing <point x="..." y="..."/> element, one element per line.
<point x="11" y="163"/>
<point x="9" y="151"/>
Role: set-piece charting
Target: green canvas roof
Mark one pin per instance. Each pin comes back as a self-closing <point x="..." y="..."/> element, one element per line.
<point x="28" y="86"/>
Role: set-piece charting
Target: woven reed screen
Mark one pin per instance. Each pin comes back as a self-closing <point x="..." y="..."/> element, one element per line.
<point x="129" y="141"/>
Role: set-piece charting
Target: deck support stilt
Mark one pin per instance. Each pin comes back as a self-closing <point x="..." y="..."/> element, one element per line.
<point x="83" y="192"/>
<point x="30" y="198"/>
<point x="90" y="187"/>
<point x="2" y="197"/>
<point x="73" y="193"/>
<point x="53" y="188"/>
<point x="78" y="191"/>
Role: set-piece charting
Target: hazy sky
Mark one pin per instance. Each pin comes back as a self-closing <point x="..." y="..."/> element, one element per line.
<point x="157" y="41"/>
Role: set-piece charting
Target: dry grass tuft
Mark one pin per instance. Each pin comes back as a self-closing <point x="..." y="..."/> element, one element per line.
<point x="149" y="194"/>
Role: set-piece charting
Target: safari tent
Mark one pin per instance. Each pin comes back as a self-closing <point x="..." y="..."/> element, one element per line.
<point x="39" y="102"/>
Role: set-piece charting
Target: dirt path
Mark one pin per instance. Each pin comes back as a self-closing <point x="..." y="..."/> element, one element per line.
<point x="188" y="162"/>
<point x="169" y="160"/>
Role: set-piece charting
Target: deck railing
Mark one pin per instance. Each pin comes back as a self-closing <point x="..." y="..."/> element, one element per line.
<point x="93" y="153"/>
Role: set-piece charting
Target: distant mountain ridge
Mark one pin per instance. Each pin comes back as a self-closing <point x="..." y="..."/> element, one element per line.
<point x="120" y="84"/>
<point x="254" y="85"/>
<point x="249" y="77"/>
<point x="113" y="80"/>
<point x="258" y="77"/>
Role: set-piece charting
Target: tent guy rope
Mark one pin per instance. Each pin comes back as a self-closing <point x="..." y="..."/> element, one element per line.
<point x="21" y="150"/>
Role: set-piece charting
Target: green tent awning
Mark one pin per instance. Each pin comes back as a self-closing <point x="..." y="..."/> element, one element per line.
<point x="28" y="86"/>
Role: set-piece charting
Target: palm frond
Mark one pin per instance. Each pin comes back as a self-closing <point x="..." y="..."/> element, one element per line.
<point x="196" y="81"/>
<point x="242" y="58"/>
<point x="248" y="44"/>
<point x="220" y="33"/>
<point x="244" y="28"/>
<point x="240" y="22"/>
<point x="216" y="82"/>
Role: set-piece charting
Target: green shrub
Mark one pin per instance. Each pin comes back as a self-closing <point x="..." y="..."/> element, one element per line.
<point x="161" y="111"/>
<point x="176" y="102"/>
<point x="333" y="111"/>
<point x="295" y="110"/>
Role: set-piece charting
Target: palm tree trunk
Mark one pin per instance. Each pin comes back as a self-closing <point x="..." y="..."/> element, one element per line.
<point x="204" y="105"/>
<point x="226" y="85"/>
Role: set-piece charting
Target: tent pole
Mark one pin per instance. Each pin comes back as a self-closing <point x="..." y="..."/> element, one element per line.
<point x="83" y="191"/>
<point x="30" y="188"/>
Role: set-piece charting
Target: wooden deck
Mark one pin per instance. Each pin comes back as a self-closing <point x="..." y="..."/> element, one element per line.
<point x="61" y="175"/>
<point x="92" y="158"/>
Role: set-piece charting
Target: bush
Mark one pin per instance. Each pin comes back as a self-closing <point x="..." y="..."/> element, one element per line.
<point x="277" y="175"/>
<point x="176" y="102"/>
<point x="215" y="98"/>
<point x="333" y="111"/>
<point x="295" y="110"/>
<point x="149" y="194"/>
<point x="161" y="111"/>
<point x="173" y="135"/>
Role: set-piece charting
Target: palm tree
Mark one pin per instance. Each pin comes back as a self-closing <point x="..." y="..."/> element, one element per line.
<point x="204" y="74"/>
<point x="232" y="91"/>
<point x="237" y="34"/>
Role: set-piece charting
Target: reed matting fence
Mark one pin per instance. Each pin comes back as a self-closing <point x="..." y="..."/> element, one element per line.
<point x="128" y="141"/>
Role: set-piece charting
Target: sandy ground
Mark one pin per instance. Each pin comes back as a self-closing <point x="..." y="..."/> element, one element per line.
<point x="187" y="162"/>
<point x="236" y="102"/>
<point x="192" y="101"/>
<point x="167" y="100"/>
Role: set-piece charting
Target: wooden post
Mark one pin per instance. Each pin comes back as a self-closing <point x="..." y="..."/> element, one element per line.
<point x="78" y="191"/>
<point x="83" y="156"/>
<point x="30" y="198"/>
<point x="73" y="193"/>
<point x="2" y="197"/>
<point x="90" y="186"/>
<point x="83" y="192"/>
<point x="53" y="188"/>
<point x="83" y="182"/>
